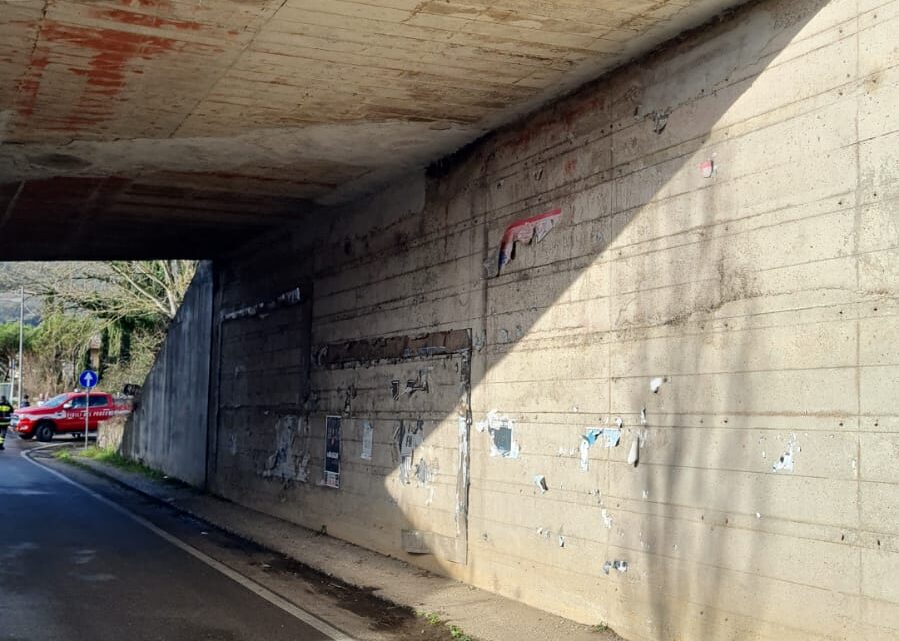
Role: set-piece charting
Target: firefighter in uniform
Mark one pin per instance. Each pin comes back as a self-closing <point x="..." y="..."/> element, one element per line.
<point x="5" y="417"/>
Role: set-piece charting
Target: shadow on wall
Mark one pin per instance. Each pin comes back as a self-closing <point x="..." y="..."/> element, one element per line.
<point x="706" y="200"/>
<point x="693" y="187"/>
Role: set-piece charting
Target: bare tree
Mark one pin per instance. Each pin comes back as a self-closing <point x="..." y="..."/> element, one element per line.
<point x="146" y="292"/>
<point x="127" y="304"/>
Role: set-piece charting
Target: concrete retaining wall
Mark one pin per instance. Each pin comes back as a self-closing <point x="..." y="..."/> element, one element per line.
<point x="167" y="430"/>
<point x="717" y="296"/>
<point x="111" y="432"/>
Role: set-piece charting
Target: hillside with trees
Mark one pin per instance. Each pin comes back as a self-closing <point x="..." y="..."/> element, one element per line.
<point x="111" y="316"/>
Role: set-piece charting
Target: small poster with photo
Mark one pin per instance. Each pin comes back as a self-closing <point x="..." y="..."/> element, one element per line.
<point x="332" y="451"/>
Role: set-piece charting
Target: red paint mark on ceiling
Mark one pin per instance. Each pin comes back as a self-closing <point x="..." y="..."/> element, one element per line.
<point x="31" y="84"/>
<point x="111" y="52"/>
<point x="162" y="4"/>
<point x="145" y="20"/>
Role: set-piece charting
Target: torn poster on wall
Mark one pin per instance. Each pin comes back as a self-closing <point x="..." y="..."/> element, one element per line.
<point x="500" y="428"/>
<point x="290" y="459"/>
<point x="332" y="451"/>
<point x="609" y="437"/>
<point x="367" y="437"/>
<point x="530" y="229"/>
<point x="407" y="437"/>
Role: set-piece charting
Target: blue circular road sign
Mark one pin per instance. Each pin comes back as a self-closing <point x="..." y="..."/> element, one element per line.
<point x="88" y="379"/>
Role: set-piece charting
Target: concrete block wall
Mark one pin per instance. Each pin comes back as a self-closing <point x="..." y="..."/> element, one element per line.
<point x="722" y="280"/>
<point x="260" y="371"/>
<point x="168" y="427"/>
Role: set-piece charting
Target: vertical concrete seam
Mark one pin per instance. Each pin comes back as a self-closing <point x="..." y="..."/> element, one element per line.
<point x="613" y="208"/>
<point x="856" y="246"/>
<point x="37" y="39"/>
<point x="213" y="338"/>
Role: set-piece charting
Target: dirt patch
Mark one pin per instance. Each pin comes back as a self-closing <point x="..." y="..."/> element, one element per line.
<point x="384" y="615"/>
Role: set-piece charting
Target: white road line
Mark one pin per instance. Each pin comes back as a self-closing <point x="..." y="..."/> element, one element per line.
<point x="251" y="585"/>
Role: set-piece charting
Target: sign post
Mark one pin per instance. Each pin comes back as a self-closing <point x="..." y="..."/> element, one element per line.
<point x="88" y="379"/>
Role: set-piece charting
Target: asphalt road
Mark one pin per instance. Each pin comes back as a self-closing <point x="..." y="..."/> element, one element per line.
<point x="72" y="568"/>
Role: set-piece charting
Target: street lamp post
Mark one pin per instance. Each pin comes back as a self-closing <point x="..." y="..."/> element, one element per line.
<point x="21" y="341"/>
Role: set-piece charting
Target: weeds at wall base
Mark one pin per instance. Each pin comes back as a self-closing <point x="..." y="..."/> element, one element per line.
<point x="108" y="457"/>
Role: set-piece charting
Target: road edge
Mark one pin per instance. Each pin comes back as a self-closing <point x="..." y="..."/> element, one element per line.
<point x="257" y="588"/>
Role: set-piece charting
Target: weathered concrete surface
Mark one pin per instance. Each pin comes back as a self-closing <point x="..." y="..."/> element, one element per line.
<point x="111" y="432"/>
<point x="724" y="267"/>
<point x="169" y="122"/>
<point x="260" y="368"/>
<point x="167" y="430"/>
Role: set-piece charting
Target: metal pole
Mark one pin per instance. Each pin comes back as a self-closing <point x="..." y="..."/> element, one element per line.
<point x="21" y="341"/>
<point x="87" y="415"/>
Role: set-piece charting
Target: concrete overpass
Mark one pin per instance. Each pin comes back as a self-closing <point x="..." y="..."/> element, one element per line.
<point x="180" y="127"/>
<point x="628" y="356"/>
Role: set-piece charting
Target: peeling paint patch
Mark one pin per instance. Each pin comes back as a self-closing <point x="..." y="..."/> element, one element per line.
<point x="585" y="454"/>
<point x="787" y="459"/>
<point x="621" y="566"/>
<point x="530" y="229"/>
<point x="407" y="436"/>
<point x="392" y="348"/>
<point x="656" y="383"/>
<point x="633" y="456"/>
<point x="659" y="120"/>
<point x="412" y="386"/>
<point x="610" y="436"/>
<point x="607" y="519"/>
<point x="501" y="429"/>
<point x="462" y="470"/>
<point x="425" y="472"/>
<point x="290" y="459"/>
<point x="367" y="440"/>
<point x="288" y="298"/>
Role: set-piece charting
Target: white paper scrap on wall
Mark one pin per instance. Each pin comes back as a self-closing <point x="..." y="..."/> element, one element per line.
<point x="607" y="519"/>
<point x="367" y="437"/>
<point x="634" y="455"/>
<point x="585" y="455"/>
<point x="787" y="461"/>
